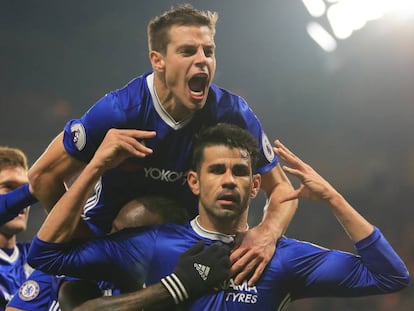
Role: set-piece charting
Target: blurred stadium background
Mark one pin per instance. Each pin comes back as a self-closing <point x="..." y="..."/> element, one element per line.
<point x="332" y="79"/>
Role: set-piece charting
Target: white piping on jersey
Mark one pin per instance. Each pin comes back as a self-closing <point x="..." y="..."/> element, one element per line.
<point x="285" y="303"/>
<point x="12" y="258"/>
<point x="165" y="116"/>
<point x="94" y="198"/>
<point x="27" y="269"/>
<point x="54" y="306"/>
<point x="225" y="238"/>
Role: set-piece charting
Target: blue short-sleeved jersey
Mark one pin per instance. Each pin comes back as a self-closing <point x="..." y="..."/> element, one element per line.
<point x="13" y="271"/>
<point x="298" y="270"/>
<point x="136" y="106"/>
<point x="38" y="292"/>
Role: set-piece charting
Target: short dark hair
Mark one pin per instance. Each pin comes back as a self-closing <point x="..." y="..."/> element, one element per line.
<point x="228" y="135"/>
<point x="185" y="14"/>
<point x="167" y="208"/>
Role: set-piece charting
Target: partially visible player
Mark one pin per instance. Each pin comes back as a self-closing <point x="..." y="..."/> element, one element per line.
<point x="37" y="293"/>
<point x="151" y="209"/>
<point x="223" y="178"/>
<point x="14" y="269"/>
<point x="18" y="281"/>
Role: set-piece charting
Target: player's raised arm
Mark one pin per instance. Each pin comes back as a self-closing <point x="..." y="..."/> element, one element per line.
<point x="117" y="145"/>
<point x="314" y="187"/>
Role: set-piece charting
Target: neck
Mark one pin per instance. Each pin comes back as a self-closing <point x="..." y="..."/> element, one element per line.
<point x="7" y="242"/>
<point x="168" y="101"/>
<point x="223" y="225"/>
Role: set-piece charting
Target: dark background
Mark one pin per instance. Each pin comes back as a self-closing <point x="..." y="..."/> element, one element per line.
<point x="349" y="113"/>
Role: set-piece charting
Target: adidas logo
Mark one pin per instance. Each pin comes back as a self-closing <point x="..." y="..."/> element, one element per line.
<point x="202" y="270"/>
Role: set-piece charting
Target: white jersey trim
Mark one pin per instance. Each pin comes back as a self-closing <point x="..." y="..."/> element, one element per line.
<point x="225" y="238"/>
<point x="93" y="199"/>
<point x="165" y="116"/>
<point x="12" y="258"/>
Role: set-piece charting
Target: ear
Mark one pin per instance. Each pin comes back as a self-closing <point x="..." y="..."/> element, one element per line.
<point x="192" y="180"/>
<point x="256" y="185"/>
<point x="157" y="61"/>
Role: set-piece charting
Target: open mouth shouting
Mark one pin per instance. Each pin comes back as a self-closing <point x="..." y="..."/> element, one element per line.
<point x="198" y="85"/>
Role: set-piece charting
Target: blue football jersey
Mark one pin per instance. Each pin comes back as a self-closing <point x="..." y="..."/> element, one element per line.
<point x="37" y="293"/>
<point x="297" y="270"/>
<point x="13" y="271"/>
<point x="136" y="106"/>
<point x="40" y="292"/>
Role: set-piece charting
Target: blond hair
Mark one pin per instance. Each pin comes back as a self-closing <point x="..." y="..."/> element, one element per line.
<point x="12" y="157"/>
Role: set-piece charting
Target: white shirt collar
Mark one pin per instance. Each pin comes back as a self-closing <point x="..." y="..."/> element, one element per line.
<point x="164" y="115"/>
<point x="12" y="258"/>
<point x="225" y="238"/>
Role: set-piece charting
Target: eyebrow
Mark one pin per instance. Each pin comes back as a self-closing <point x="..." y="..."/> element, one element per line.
<point x="11" y="182"/>
<point x="237" y="165"/>
<point x="190" y="45"/>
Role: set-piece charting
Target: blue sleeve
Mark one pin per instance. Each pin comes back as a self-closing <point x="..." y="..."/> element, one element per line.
<point x="321" y="272"/>
<point x="13" y="202"/>
<point x="87" y="260"/>
<point x="83" y="136"/>
<point x="379" y="257"/>
<point x="38" y="292"/>
<point x="109" y="258"/>
<point x="117" y="109"/>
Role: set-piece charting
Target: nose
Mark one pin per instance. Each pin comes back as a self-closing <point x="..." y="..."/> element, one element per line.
<point x="201" y="57"/>
<point x="228" y="179"/>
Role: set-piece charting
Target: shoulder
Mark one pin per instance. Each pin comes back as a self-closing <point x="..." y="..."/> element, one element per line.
<point x="223" y="96"/>
<point x="293" y="248"/>
<point x="152" y="230"/>
<point x="136" y="84"/>
<point x="225" y="106"/>
<point x="135" y="92"/>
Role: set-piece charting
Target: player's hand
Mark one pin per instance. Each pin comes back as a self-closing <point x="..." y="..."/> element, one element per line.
<point x="252" y="252"/>
<point x="313" y="186"/>
<point x="120" y="144"/>
<point x="198" y="271"/>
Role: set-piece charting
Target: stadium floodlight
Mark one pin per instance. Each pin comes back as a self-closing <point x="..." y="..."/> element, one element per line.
<point x="316" y="8"/>
<point x="343" y="17"/>
<point x="321" y="36"/>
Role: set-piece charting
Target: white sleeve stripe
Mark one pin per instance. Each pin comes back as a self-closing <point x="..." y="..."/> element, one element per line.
<point x="182" y="288"/>
<point x="170" y="290"/>
<point x="175" y="288"/>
